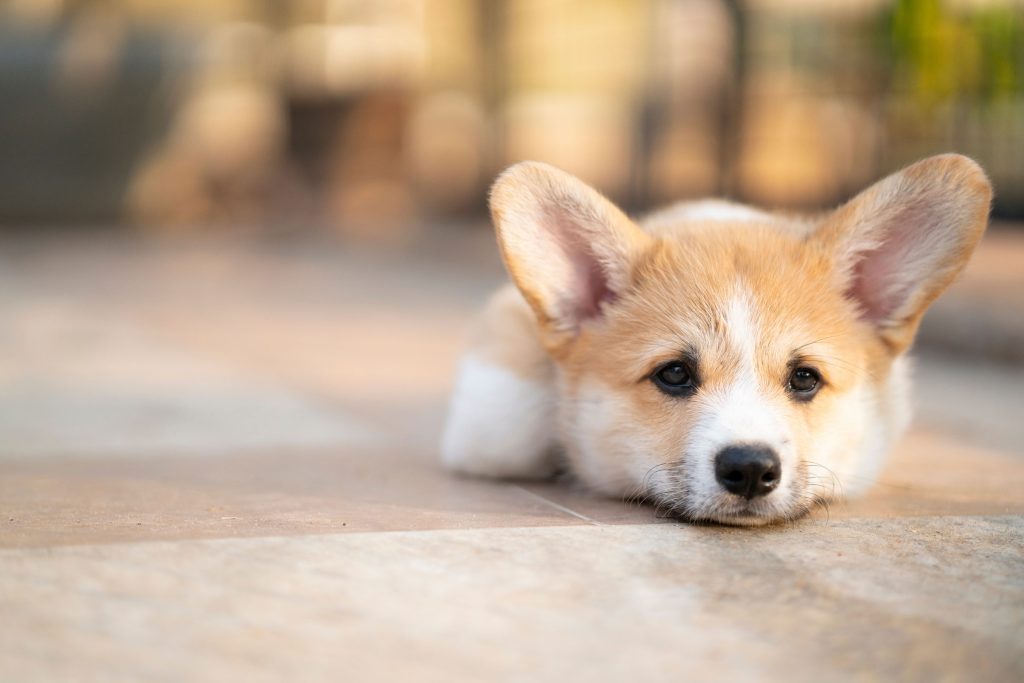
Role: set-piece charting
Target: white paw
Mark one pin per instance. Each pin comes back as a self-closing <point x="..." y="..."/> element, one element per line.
<point x="499" y="424"/>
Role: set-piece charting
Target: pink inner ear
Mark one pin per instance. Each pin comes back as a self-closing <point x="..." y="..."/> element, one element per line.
<point x="871" y="285"/>
<point x="589" y="287"/>
<point x="884" y="278"/>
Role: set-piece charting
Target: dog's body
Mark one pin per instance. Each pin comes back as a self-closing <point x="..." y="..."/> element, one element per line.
<point x="729" y="364"/>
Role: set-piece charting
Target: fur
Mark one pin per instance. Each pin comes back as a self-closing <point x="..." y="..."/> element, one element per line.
<point x="560" y="370"/>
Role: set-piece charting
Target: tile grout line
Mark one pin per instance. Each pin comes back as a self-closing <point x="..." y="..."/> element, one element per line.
<point x="561" y="508"/>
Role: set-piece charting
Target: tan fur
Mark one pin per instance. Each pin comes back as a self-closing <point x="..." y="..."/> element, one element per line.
<point x="507" y="335"/>
<point x="750" y="297"/>
<point x="530" y="194"/>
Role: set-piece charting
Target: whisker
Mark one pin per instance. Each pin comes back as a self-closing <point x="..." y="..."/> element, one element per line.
<point x="835" y="478"/>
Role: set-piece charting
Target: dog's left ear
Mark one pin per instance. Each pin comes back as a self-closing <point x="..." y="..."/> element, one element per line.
<point x="900" y="243"/>
<point x="568" y="249"/>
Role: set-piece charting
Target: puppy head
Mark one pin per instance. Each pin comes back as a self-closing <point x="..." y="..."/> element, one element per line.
<point x="735" y="371"/>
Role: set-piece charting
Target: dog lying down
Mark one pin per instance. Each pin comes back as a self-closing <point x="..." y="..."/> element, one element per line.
<point x="725" y="363"/>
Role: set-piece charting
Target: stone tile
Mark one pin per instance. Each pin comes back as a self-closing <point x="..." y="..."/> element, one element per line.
<point x="913" y="600"/>
<point x="59" y="501"/>
<point x="81" y="501"/>
<point x="930" y="473"/>
<point x="593" y="508"/>
<point x="78" y="381"/>
<point x="189" y="433"/>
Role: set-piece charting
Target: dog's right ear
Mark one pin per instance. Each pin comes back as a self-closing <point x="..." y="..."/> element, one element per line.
<point x="899" y="244"/>
<point x="568" y="249"/>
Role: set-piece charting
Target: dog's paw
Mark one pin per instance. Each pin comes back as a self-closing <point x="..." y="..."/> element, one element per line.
<point x="499" y="424"/>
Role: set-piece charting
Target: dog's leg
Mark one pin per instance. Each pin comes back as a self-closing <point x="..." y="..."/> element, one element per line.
<point x="502" y="420"/>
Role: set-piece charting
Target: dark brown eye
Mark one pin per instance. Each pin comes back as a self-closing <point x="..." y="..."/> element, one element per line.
<point x="675" y="379"/>
<point x="804" y="382"/>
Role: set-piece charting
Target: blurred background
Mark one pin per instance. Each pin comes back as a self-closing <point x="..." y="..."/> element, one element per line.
<point x="240" y="243"/>
<point x="377" y="120"/>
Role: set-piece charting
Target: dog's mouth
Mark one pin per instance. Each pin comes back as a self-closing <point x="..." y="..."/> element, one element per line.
<point x="748" y="518"/>
<point x="733" y="510"/>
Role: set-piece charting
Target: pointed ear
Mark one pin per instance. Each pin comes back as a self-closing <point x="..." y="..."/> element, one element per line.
<point x="568" y="249"/>
<point x="901" y="242"/>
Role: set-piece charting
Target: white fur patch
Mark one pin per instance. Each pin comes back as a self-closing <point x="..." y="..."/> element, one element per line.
<point x="740" y="413"/>
<point x="861" y="429"/>
<point x="739" y="326"/>
<point x="499" y="424"/>
<point x="597" y="411"/>
<point x="886" y="416"/>
<point x="717" y="210"/>
<point x="710" y="210"/>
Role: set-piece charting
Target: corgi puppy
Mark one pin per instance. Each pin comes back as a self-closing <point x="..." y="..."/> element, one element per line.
<point x="726" y="363"/>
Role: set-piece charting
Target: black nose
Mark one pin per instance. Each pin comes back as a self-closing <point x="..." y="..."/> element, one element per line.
<point x="748" y="471"/>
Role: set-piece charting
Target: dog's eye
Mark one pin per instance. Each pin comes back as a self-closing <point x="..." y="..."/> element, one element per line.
<point x="804" y="382"/>
<point x="675" y="379"/>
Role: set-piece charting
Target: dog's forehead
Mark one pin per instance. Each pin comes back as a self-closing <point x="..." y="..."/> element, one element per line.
<point x="733" y="295"/>
<point x="706" y="275"/>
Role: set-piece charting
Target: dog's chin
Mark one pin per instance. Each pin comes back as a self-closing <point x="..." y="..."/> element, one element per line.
<point x="734" y="511"/>
<point x="744" y="519"/>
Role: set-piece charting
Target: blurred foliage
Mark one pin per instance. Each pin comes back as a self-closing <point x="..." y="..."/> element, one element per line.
<point x="939" y="52"/>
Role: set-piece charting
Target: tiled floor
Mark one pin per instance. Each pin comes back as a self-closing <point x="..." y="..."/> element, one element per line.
<point x="217" y="462"/>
